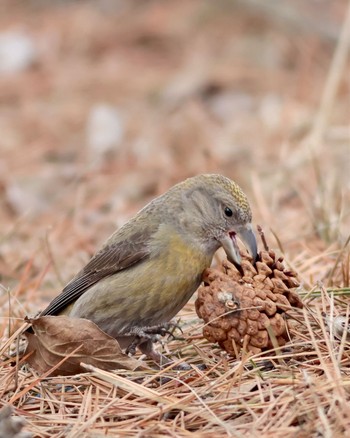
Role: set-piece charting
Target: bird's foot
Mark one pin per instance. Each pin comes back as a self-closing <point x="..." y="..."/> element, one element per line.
<point x="131" y="349"/>
<point x="162" y="361"/>
<point x="143" y="340"/>
<point x="167" y="328"/>
<point x="152" y="334"/>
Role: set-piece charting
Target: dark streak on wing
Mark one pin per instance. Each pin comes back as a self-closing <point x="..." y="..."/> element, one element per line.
<point x="108" y="261"/>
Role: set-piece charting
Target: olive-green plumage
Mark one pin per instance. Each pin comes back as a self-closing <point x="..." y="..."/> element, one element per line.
<point x="148" y="269"/>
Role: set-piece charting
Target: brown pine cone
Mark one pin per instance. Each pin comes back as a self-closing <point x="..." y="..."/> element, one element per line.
<point x="239" y="309"/>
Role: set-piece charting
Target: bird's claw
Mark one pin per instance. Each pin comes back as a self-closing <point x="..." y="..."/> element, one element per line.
<point x="152" y="333"/>
<point x="131" y="349"/>
<point x="163" y="329"/>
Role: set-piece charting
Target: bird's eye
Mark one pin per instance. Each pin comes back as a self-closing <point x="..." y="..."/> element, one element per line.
<point x="228" y="212"/>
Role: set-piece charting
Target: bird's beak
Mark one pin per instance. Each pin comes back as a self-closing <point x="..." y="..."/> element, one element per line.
<point x="229" y="243"/>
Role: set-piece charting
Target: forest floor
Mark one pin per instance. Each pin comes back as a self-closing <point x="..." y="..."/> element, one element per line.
<point x="259" y="93"/>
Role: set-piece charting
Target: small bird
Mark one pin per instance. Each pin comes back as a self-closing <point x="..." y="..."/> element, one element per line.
<point x="148" y="269"/>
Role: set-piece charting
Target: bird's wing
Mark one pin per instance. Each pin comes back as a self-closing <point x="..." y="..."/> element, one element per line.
<point x="109" y="260"/>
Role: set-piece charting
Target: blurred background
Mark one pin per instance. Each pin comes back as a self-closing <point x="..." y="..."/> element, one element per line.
<point x="106" y="104"/>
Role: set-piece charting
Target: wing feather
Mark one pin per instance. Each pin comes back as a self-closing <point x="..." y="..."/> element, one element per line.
<point x="111" y="259"/>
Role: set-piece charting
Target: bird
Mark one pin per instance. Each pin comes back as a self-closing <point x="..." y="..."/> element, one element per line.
<point x="148" y="269"/>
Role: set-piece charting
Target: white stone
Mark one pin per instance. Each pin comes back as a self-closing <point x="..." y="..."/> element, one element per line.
<point x="105" y="131"/>
<point x="17" y="52"/>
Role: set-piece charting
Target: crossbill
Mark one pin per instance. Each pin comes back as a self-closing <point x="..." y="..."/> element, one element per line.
<point x="148" y="269"/>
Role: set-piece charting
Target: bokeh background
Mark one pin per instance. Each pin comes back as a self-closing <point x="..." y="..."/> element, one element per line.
<point x="106" y="104"/>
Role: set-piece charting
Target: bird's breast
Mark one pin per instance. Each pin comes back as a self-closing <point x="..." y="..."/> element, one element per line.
<point x="148" y="293"/>
<point x="175" y="274"/>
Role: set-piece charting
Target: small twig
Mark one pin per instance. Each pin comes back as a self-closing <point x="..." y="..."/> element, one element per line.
<point x="17" y="362"/>
<point x="262" y="237"/>
<point x="10" y="310"/>
<point x="332" y="82"/>
<point x="279" y="243"/>
<point x="341" y="252"/>
<point x="52" y="259"/>
<point x="335" y="291"/>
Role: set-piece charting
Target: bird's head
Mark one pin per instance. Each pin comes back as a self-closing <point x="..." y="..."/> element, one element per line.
<point x="214" y="211"/>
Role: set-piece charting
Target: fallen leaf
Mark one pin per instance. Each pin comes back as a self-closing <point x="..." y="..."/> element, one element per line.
<point x="62" y="343"/>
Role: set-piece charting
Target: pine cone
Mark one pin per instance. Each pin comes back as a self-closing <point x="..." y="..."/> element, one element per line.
<point x="240" y="307"/>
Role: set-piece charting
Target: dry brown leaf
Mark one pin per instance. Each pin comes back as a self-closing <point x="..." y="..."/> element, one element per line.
<point x="62" y="343"/>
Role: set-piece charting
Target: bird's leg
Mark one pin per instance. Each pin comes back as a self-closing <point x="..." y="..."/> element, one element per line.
<point x="147" y="348"/>
<point x="144" y="339"/>
<point x="151" y="333"/>
<point x="140" y="336"/>
<point x="167" y="328"/>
